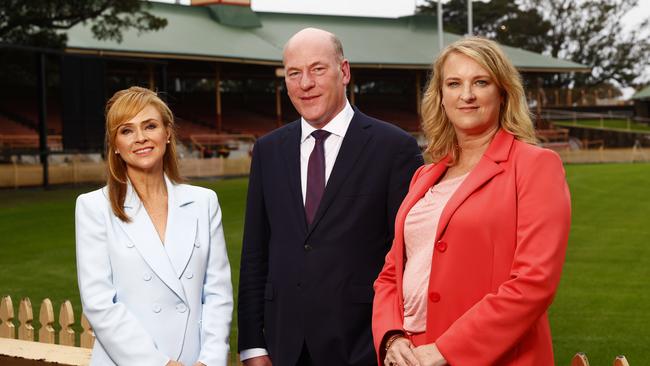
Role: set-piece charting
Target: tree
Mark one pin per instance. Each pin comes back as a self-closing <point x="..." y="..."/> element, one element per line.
<point x="43" y="23"/>
<point x="589" y="32"/>
<point x="501" y="20"/>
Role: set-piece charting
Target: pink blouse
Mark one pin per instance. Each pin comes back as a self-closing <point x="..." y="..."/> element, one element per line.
<point x="419" y="233"/>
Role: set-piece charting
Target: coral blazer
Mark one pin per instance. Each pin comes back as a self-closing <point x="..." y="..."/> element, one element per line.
<point x="499" y="250"/>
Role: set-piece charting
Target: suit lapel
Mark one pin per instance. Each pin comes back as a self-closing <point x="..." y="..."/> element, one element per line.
<point x="143" y="234"/>
<point x="353" y="144"/>
<point x="291" y="152"/>
<point x="485" y="170"/>
<point x="181" y="227"/>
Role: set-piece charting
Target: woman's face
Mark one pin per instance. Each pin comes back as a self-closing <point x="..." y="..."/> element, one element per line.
<point x="470" y="97"/>
<point x="142" y="141"/>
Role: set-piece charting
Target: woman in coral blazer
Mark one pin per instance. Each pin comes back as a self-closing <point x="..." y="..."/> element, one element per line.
<point x="152" y="266"/>
<point x="482" y="231"/>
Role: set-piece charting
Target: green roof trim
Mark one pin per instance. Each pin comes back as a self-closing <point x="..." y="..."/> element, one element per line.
<point x="192" y="32"/>
<point x="235" y="15"/>
<point x="642" y="94"/>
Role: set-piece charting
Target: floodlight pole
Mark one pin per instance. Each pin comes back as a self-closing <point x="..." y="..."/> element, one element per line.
<point x="470" y="20"/>
<point x="42" y="117"/>
<point x="441" y="40"/>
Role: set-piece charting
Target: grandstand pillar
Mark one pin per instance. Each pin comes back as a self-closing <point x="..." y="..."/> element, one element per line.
<point x="351" y="88"/>
<point x="278" y="102"/>
<point x="217" y="91"/>
<point x="418" y="93"/>
<point x="162" y="82"/>
<point x="42" y="117"/>
<point x="152" y="78"/>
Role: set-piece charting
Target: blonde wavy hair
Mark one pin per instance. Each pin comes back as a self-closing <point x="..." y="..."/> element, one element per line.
<point x="514" y="115"/>
<point x="123" y="106"/>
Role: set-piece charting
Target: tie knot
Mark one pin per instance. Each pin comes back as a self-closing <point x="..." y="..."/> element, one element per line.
<point x="320" y="135"/>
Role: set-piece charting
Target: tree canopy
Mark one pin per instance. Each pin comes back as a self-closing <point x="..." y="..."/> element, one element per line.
<point x="43" y="23"/>
<point x="501" y="20"/>
<point x="588" y="32"/>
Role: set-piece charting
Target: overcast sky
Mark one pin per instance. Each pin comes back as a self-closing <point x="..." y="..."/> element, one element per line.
<point x="380" y="8"/>
<point x="372" y="8"/>
<point x="386" y="8"/>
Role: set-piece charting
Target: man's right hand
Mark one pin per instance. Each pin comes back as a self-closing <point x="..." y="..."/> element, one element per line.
<point x="173" y="363"/>
<point x="258" y="361"/>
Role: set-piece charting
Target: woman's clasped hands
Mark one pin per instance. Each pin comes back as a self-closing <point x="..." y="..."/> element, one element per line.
<point x="402" y="352"/>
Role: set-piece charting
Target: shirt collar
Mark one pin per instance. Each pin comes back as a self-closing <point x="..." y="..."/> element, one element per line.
<point x="337" y="126"/>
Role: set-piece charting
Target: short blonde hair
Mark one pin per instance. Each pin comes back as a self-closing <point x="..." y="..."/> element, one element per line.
<point x="123" y="106"/>
<point x="514" y="116"/>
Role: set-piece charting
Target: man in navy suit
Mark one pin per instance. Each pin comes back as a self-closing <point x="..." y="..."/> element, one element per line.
<point x="322" y="198"/>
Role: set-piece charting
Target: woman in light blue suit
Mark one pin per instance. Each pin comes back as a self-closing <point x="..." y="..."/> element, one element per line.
<point x="153" y="272"/>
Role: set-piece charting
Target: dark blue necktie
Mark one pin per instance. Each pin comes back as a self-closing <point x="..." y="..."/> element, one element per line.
<point x="315" y="175"/>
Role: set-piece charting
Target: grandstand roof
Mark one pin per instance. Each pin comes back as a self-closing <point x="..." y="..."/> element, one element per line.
<point x="642" y="94"/>
<point x="208" y="33"/>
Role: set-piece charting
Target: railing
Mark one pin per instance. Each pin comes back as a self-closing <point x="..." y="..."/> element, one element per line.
<point x="22" y="175"/>
<point x="601" y="118"/>
<point x="580" y="359"/>
<point x="31" y="141"/>
<point x="48" y="350"/>
<point x="220" y="145"/>
<point x="554" y="138"/>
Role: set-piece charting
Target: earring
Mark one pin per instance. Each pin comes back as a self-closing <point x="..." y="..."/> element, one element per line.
<point x="117" y="152"/>
<point x="168" y="141"/>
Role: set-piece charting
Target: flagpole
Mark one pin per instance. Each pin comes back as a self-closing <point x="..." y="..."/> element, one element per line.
<point x="470" y="20"/>
<point x="441" y="40"/>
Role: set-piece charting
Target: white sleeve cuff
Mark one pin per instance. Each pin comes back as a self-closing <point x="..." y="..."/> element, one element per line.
<point x="252" y="352"/>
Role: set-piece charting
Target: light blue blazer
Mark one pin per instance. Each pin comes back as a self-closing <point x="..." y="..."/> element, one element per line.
<point x="149" y="303"/>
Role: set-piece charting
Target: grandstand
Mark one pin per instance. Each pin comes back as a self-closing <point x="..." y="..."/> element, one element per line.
<point x="219" y="67"/>
<point x="238" y="50"/>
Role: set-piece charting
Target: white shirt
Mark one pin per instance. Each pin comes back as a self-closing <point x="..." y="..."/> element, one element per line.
<point x="337" y="128"/>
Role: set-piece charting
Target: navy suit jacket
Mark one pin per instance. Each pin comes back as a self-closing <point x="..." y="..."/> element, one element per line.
<point x="312" y="285"/>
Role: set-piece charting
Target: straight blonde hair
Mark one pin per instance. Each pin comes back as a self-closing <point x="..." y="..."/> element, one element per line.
<point x="123" y="106"/>
<point x="514" y="116"/>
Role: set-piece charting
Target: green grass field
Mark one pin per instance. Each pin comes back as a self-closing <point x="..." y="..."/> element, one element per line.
<point x="601" y="307"/>
<point x="610" y="124"/>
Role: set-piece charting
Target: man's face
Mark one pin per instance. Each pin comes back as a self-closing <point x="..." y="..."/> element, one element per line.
<point x="316" y="78"/>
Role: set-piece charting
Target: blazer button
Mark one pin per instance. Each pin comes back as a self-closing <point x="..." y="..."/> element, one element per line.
<point x="434" y="297"/>
<point x="146" y="276"/>
<point x="197" y="244"/>
<point x="441" y="246"/>
<point x="308" y="247"/>
<point x="181" y="308"/>
<point x="189" y="275"/>
<point x="129" y="245"/>
<point x="156" y="308"/>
